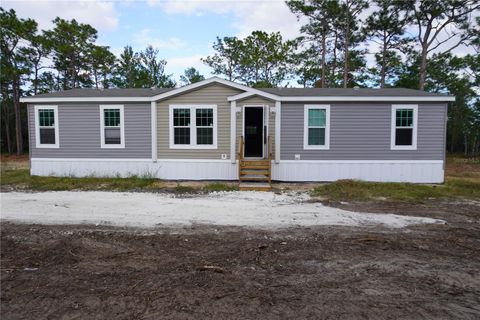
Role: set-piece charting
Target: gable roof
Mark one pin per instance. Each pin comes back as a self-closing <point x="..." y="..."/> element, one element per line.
<point x="277" y="94"/>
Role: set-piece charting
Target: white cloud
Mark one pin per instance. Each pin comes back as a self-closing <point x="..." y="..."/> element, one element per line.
<point x="266" y="15"/>
<point x="144" y="38"/>
<point x="101" y="15"/>
<point x="178" y="65"/>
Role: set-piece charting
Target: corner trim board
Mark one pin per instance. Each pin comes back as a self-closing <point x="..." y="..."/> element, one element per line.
<point x="278" y="123"/>
<point x="153" y="115"/>
<point x="233" y="130"/>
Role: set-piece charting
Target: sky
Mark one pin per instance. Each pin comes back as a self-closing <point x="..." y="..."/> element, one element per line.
<point x="183" y="31"/>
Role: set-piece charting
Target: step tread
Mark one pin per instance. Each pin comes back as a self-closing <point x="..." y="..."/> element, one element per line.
<point x="267" y="167"/>
<point x="254" y="179"/>
<point x="259" y="172"/>
<point x="256" y="162"/>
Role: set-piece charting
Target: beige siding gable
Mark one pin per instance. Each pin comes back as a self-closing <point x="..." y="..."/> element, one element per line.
<point x="215" y="94"/>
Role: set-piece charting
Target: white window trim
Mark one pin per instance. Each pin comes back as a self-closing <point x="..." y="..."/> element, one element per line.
<point x="193" y="126"/>
<point x="393" y="126"/>
<point x="37" y="127"/>
<point x="326" y="146"/>
<point x="102" y="127"/>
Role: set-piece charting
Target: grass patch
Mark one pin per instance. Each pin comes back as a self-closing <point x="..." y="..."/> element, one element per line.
<point x="353" y="190"/>
<point x="21" y="179"/>
<point x="218" y="186"/>
<point x="184" y="189"/>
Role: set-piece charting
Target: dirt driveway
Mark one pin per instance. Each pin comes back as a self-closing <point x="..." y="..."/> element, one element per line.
<point x="208" y="272"/>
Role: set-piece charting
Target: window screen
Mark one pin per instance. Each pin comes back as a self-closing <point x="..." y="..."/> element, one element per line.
<point x="316" y="126"/>
<point x="204" y="124"/>
<point x="181" y="126"/>
<point x="112" y="131"/>
<point x="404" y="127"/>
<point x="46" y="119"/>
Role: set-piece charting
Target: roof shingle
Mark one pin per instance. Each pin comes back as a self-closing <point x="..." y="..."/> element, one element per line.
<point x="349" y="92"/>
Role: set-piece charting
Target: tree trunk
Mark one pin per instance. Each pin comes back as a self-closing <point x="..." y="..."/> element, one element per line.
<point x="423" y="68"/>
<point x="452" y="138"/>
<point x="9" y="137"/>
<point x="334" y="65"/>
<point x="18" y="119"/>
<point x="384" y="62"/>
<point x="35" y="83"/>
<point x="324" y="54"/>
<point x="346" y="45"/>
<point x="96" y="78"/>
<point x="6" y="123"/>
<point x="345" y="68"/>
<point x="474" y="146"/>
<point x="105" y="82"/>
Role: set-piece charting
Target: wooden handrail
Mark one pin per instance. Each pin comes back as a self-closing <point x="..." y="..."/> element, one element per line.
<point x="270" y="159"/>
<point x="269" y="148"/>
<point x="240" y="148"/>
<point x="240" y="157"/>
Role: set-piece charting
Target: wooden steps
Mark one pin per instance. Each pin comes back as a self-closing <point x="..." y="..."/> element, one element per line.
<point x="255" y="175"/>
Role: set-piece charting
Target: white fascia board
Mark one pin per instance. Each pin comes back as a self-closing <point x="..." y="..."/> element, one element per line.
<point x="251" y="93"/>
<point x="84" y="99"/>
<point x="239" y="96"/>
<point x="339" y="98"/>
<point x="377" y="98"/>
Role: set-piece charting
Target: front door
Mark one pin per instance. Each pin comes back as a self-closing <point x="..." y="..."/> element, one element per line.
<point x="253" y="132"/>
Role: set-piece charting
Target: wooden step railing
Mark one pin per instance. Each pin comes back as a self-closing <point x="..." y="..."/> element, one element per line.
<point x="240" y="157"/>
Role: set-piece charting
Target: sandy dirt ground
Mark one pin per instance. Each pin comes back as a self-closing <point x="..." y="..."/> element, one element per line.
<point x="428" y="271"/>
<point x="264" y="210"/>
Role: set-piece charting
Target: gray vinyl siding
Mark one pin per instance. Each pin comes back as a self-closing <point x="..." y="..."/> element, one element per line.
<point x="361" y="131"/>
<point x="79" y="132"/>
<point x="271" y="118"/>
<point x="214" y="94"/>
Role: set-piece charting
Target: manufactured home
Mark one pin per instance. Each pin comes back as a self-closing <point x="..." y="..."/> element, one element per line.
<point x="221" y="130"/>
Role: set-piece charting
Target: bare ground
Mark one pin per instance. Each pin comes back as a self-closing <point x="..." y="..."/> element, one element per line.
<point x="204" y="272"/>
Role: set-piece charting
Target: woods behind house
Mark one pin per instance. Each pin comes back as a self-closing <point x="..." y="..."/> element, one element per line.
<point x="409" y="44"/>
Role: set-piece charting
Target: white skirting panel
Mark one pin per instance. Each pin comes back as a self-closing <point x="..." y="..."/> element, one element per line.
<point x="183" y="169"/>
<point x="162" y="169"/>
<point x="421" y="171"/>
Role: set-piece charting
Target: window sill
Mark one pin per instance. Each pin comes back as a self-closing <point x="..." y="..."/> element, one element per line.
<point x="112" y="147"/>
<point x="403" y="148"/>
<point x="47" y="146"/>
<point x="316" y="147"/>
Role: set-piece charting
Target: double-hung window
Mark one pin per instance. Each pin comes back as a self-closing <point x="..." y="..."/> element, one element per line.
<point x="112" y="126"/>
<point x="193" y="126"/>
<point x="404" y="127"/>
<point x="316" y="134"/>
<point x="46" y="123"/>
